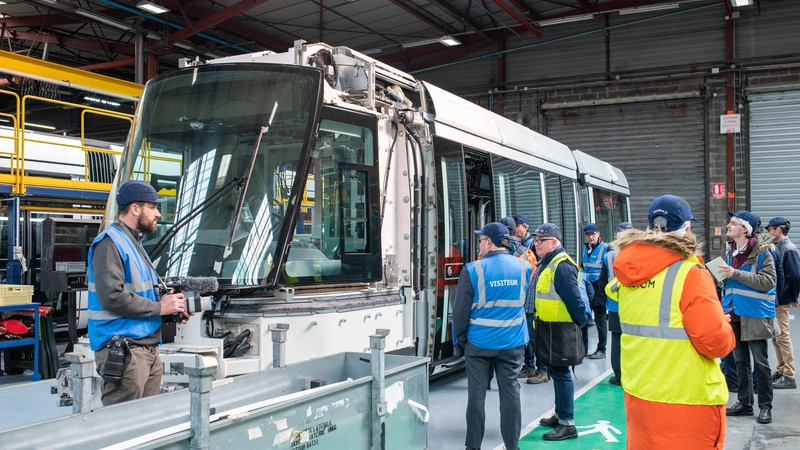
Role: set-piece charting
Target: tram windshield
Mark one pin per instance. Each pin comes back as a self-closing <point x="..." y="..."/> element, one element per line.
<point x="225" y="145"/>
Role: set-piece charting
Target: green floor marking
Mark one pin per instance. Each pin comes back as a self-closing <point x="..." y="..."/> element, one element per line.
<point x="599" y="415"/>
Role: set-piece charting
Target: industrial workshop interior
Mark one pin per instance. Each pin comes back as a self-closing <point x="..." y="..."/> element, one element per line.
<point x="399" y="224"/>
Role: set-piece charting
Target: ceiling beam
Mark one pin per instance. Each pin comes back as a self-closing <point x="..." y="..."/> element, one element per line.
<point x="404" y="5"/>
<point x="212" y="20"/>
<point x="64" y="41"/>
<point x="110" y="65"/>
<point x="233" y="27"/>
<point x="526" y="9"/>
<point x="527" y="25"/>
<point x="457" y="14"/>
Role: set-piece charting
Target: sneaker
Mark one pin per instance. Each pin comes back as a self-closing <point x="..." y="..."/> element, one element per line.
<point x="784" y="383"/>
<point x="615" y="380"/>
<point x="538" y="377"/>
<point x="525" y="372"/>
<point x="597" y="355"/>
<point x="776" y="376"/>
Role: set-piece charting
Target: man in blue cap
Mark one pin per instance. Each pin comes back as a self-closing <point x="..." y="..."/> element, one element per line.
<point x="789" y="294"/>
<point x="559" y="314"/>
<point x="125" y="306"/>
<point x="592" y="256"/>
<point x="522" y="230"/>
<point x="750" y="288"/>
<point x="489" y="327"/>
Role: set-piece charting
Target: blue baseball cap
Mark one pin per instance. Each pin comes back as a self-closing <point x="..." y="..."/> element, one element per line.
<point x="509" y="223"/>
<point x="522" y="218"/>
<point x="622" y="227"/>
<point x="548" y="230"/>
<point x="137" y="191"/>
<point x="590" y="228"/>
<point x="748" y="217"/>
<point x="778" y="222"/>
<point x="672" y="208"/>
<point x="495" y="231"/>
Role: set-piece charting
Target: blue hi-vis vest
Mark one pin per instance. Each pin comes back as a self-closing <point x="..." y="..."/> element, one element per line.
<point x="611" y="304"/>
<point x="746" y="301"/>
<point x="497" y="319"/>
<point x="139" y="278"/>
<point x="593" y="264"/>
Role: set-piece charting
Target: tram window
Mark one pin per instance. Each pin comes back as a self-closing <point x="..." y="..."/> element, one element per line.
<point x="518" y="190"/>
<point x="609" y="210"/>
<point x="337" y="229"/>
<point x="570" y="229"/>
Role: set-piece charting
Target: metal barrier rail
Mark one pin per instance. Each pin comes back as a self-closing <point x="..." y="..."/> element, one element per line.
<point x="17" y="176"/>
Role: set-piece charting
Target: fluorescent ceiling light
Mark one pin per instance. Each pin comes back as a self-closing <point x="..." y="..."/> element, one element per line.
<point x="152" y="7"/>
<point x="419" y="43"/>
<point x="183" y="46"/>
<point x="154" y="36"/>
<point x="103" y="19"/>
<point x="372" y="51"/>
<point x="567" y="19"/>
<point x="648" y="8"/>
<point x="449" y="41"/>
<point x="737" y="3"/>
<point x="36" y="125"/>
<point x="99" y="100"/>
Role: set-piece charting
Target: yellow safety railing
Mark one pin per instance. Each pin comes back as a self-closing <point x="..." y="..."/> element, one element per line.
<point x="13" y="155"/>
<point x="23" y="180"/>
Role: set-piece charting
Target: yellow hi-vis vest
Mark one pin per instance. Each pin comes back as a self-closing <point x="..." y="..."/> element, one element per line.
<point x="549" y="306"/>
<point x="658" y="359"/>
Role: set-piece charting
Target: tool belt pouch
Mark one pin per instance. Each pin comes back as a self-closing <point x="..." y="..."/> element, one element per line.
<point x="119" y="355"/>
<point x="558" y="343"/>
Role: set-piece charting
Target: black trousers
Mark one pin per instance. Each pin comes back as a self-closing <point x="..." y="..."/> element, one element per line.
<point x="616" y="336"/>
<point x="742" y="355"/>
<point x="601" y="323"/>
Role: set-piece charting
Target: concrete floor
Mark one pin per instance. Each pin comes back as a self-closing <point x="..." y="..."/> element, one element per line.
<point x="32" y="402"/>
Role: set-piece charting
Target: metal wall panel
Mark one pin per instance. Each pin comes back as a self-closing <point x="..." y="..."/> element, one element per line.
<point x="774" y="154"/>
<point x="658" y="145"/>
<point x="677" y="40"/>
<point x="566" y="56"/>
<point x="460" y="79"/>
<point x="772" y="32"/>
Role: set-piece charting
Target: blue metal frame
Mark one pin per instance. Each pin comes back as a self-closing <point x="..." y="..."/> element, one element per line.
<point x="30" y="341"/>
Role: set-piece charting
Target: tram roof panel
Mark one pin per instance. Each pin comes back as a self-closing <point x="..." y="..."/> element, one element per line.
<point x="598" y="173"/>
<point x="456" y="112"/>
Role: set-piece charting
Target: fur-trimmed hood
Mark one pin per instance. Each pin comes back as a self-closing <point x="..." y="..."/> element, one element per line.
<point x="643" y="254"/>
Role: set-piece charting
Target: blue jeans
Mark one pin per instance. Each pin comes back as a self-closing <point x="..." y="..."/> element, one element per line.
<point x="565" y="394"/>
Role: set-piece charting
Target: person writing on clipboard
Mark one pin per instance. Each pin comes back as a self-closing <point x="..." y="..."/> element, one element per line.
<point x="750" y="288"/>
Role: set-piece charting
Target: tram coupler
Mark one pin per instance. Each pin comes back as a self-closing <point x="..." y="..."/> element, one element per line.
<point x="279" y="331"/>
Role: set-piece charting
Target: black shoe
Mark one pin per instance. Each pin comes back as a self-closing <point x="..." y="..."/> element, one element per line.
<point x="550" y="422"/>
<point x="739" y="409"/>
<point x="597" y="355"/>
<point x="775" y="376"/>
<point x="561" y="433"/>
<point x="784" y="383"/>
<point x="615" y="380"/>
<point x="476" y="448"/>
<point x="765" y="416"/>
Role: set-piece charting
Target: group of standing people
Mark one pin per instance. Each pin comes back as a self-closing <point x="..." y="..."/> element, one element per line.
<point x="669" y="326"/>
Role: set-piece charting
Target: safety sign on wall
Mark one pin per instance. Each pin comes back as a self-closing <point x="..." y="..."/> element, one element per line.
<point x="729" y="123"/>
<point x="718" y="190"/>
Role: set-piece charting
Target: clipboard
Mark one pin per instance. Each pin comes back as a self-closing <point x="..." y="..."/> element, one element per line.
<point x="714" y="265"/>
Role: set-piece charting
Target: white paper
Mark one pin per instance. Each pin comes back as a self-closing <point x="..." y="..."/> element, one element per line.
<point x="714" y="265"/>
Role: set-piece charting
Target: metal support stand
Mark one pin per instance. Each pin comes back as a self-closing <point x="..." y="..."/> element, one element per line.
<point x="377" y="344"/>
<point x="200" y="405"/>
<point x="82" y="379"/>
<point x="72" y="318"/>
<point x="278" y="343"/>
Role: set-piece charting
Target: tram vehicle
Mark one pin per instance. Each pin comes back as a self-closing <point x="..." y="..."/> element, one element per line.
<point x="336" y="194"/>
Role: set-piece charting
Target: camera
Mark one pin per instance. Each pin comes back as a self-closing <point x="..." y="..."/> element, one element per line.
<point x="191" y="288"/>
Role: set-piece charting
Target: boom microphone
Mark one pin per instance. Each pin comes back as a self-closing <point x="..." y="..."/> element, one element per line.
<point x="191" y="288"/>
<point x="202" y="285"/>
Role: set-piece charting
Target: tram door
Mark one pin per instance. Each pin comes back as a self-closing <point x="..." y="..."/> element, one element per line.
<point x="460" y="212"/>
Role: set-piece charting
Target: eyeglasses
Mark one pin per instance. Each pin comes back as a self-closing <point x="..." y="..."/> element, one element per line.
<point x="483" y="239"/>
<point x="541" y="241"/>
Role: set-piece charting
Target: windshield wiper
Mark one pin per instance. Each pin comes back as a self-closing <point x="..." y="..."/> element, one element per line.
<point x="243" y="191"/>
<point x="202" y="206"/>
